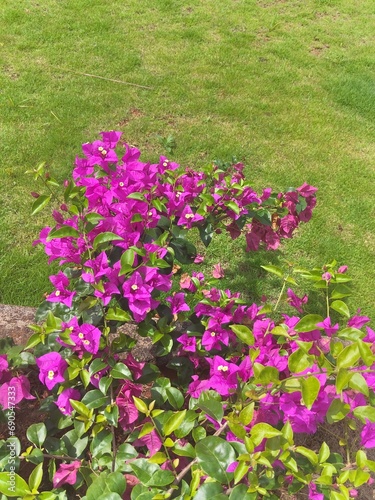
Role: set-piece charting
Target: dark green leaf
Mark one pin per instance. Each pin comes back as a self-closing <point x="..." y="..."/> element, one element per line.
<point x="36" y="434"/>
<point x="214" y="457"/>
<point x="104" y="238"/>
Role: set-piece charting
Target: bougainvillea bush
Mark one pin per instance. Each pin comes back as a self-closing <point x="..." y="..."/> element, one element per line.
<point x="232" y="385"/>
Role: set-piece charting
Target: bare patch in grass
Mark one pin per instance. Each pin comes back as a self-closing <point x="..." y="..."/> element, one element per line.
<point x="10" y="72"/>
<point x="133" y="114"/>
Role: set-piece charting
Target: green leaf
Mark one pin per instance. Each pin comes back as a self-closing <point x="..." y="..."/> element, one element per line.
<point x="348" y="356"/>
<point x="308" y="323"/>
<point x="37" y="434"/>
<point x="365" y="412"/>
<point x="101" y="444"/>
<point x="234" y="207"/>
<point x="211" y="406"/>
<point x="36" y="477"/>
<point x="214" y="457"/>
<point x="310" y="388"/>
<point x="104" y="238"/>
<point x="175" y="397"/>
<point x="80" y="408"/>
<point x="324" y="453"/>
<point x="261" y="431"/>
<point x="267" y="375"/>
<point x="161" y="478"/>
<point x="173" y="422"/>
<point x="121" y="371"/>
<point x="136" y="196"/>
<point x="185" y="252"/>
<point x="239" y="492"/>
<point x="365" y="352"/>
<point x="105" y="484"/>
<point x="337" y="411"/>
<point x="309" y="454"/>
<point x="274" y="270"/>
<point x="143" y="469"/>
<point x="117" y="314"/>
<point x="21" y="489"/>
<point x="140" y="405"/>
<point x="243" y="333"/>
<point x="39" y="204"/>
<point x="340" y="307"/>
<point x="358" y="383"/>
<point x="63" y="232"/>
<point x="206" y="233"/>
<point x="246" y="414"/>
<point x="94" y="399"/>
<point x="298" y="361"/>
<point x="212" y="491"/>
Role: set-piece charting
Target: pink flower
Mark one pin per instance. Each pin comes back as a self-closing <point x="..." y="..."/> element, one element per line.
<point x="296" y="301"/>
<point x="14" y="391"/>
<point x="198" y="259"/>
<point x="63" y="401"/>
<point x="188" y="343"/>
<point x="368" y="435"/>
<point x="66" y="474"/>
<point x="218" y="271"/>
<point x="342" y="269"/>
<point x="178" y="303"/>
<point x="51" y="369"/>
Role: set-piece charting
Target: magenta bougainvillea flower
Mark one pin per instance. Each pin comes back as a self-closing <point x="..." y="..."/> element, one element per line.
<point x="14" y="391"/>
<point x="368" y="435"/>
<point x="86" y="337"/>
<point x="61" y="294"/>
<point x="51" y="369"/>
<point x="296" y="301"/>
<point x="63" y="402"/>
<point x="189" y="343"/>
<point x="178" y="304"/>
<point x="66" y="473"/>
<point x="218" y="271"/>
<point x="128" y="412"/>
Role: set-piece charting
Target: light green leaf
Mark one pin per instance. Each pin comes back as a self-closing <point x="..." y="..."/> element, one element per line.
<point x="274" y="270"/>
<point x="308" y="323"/>
<point x="310" y="388"/>
<point x="261" y="431"/>
<point x="298" y="361"/>
<point x="309" y="454"/>
<point x="174" y="422"/>
<point x="243" y="333"/>
<point x="365" y="412"/>
<point x="20" y="489"/>
<point x="36" y="477"/>
<point x="340" y="307"/>
<point x="40" y="203"/>
<point x="358" y="383"/>
<point x="337" y="411"/>
<point x="348" y="356"/>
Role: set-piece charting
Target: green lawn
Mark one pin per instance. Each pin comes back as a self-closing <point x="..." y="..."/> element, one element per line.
<point x="287" y="86"/>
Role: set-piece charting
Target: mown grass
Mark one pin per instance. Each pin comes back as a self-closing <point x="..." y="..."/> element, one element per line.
<point x="286" y="86"/>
